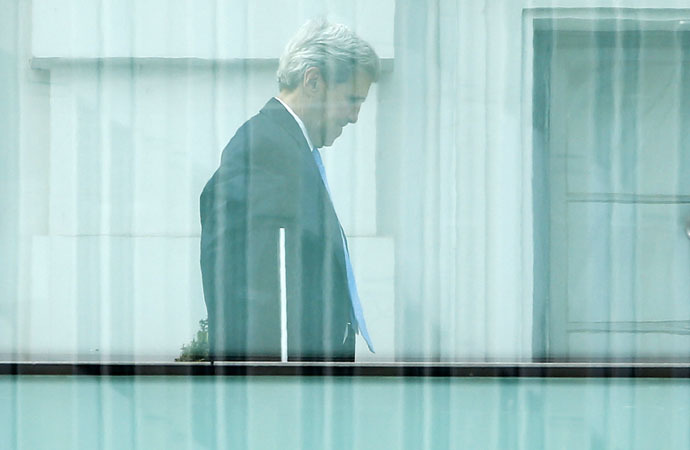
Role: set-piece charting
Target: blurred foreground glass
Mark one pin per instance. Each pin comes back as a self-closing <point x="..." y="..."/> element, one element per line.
<point x="504" y="199"/>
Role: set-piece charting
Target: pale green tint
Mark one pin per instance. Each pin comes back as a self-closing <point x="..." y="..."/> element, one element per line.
<point x="56" y="412"/>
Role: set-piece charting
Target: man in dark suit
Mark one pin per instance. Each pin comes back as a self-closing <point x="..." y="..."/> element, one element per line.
<point x="277" y="278"/>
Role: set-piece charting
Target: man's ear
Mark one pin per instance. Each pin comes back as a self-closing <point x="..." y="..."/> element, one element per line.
<point x="312" y="80"/>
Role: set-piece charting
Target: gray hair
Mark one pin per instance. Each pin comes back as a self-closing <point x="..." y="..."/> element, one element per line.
<point x="333" y="48"/>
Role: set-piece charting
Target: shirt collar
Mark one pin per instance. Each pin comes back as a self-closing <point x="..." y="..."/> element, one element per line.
<point x="299" y="122"/>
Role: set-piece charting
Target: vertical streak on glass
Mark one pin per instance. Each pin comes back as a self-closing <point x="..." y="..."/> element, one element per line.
<point x="680" y="214"/>
<point x="430" y="196"/>
<point x="431" y="188"/>
<point x="487" y="244"/>
<point x="71" y="226"/>
<point x="95" y="423"/>
<point x="408" y="230"/>
<point x="679" y="275"/>
<point x="676" y="42"/>
<point x="611" y="150"/>
<point x="633" y="59"/>
<point x="682" y="178"/>
<point x="542" y="47"/>
<point x="209" y="410"/>
<point x="448" y="37"/>
<point x="601" y="122"/>
<point x="556" y="209"/>
<point x="9" y="201"/>
<point x="340" y="408"/>
<point x="283" y="297"/>
<point x="413" y="408"/>
<point x="509" y="402"/>
<point x="446" y="179"/>
<point x="616" y="184"/>
<point x="555" y="203"/>
<point x="87" y="92"/>
<point x="9" y="175"/>
<point x="127" y="257"/>
<point x="311" y="411"/>
<point x="105" y="231"/>
<point x="242" y="75"/>
<point x="440" y="394"/>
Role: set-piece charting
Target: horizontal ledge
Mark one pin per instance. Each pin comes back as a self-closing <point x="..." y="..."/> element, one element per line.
<point x="170" y="236"/>
<point x="579" y="17"/>
<point x="434" y="370"/>
<point x="51" y="62"/>
<point x="577" y="197"/>
<point x="646" y="326"/>
<point x="119" y="236"/>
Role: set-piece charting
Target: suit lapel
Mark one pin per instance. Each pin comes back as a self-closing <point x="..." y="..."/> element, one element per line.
<point x="277" y="113"/>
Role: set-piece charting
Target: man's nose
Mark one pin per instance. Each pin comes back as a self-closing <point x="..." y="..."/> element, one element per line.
<point x="354" y="114"/>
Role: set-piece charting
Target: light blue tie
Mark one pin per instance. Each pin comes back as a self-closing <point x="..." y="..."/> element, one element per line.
<point x="354" y="294"/>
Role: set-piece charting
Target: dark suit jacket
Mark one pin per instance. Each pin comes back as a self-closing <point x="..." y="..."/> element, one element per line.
<point x="268" y="179"/>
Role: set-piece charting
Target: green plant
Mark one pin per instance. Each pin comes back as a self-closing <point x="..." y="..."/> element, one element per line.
<point x="197" y="350"/>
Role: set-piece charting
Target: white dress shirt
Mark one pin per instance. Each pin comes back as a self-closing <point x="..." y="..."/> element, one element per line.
<point x="299" y="122"/>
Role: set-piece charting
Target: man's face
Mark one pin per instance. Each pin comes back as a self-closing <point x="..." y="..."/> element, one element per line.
<point x="336" y="105"/>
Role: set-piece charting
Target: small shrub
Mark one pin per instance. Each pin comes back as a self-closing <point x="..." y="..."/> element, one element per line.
<point x="197" y="350"/>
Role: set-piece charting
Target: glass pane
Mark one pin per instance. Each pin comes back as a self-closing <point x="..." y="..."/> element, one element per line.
<point x="514" y="188"/>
